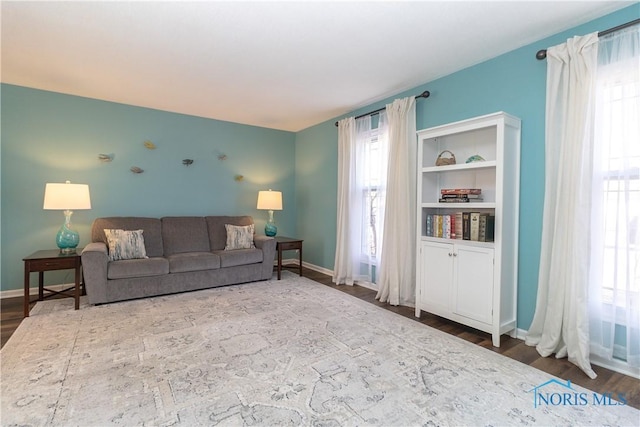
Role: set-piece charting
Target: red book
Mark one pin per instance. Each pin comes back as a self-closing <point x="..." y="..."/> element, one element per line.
<point x="462" y="196"/>
<point x="453" y="226"/>
<point x="461" y="191"/>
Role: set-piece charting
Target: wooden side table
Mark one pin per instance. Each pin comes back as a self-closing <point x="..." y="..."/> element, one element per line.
<point x="288" y="244"/>
<point x="50" y="260"/>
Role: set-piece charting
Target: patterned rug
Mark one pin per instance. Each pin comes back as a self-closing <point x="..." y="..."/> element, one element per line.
<point x="276" y="353"/>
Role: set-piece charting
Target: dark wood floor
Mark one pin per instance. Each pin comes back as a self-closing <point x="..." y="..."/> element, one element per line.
<point x="607" y="381"/>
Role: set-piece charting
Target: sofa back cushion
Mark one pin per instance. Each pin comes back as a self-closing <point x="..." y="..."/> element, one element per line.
<point x="184" y="234"/>
<point x="151" y="227"/>
<point x="218" y="232"/>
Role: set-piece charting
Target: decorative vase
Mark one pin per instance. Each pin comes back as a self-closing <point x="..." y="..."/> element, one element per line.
<point x="270" y="228"/>
<point x="67" y="238"/>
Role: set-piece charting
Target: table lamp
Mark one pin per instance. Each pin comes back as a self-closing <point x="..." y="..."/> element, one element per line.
<point x="270" y="200"/>
<point x="67" y="197"/>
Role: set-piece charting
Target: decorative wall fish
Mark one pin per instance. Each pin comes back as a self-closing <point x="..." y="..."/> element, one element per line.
<point x="238" y="178"/>
<point x="222" y="157"/>
<point x="150" y="145"/>
<point x="187" y="162"/>
<point x="136" y="169"/>
<point x="106" y="157"/>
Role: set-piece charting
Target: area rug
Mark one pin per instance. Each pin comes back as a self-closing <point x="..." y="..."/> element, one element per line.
<point x="274" y="353"/>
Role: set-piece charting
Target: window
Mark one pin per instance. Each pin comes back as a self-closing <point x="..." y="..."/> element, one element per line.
<point x="362" y="177"/>
<point x="614" y="277"/>
<point x="373" y="195"/>
<point x="371" y="170"/>
<point x="617" y="179"/>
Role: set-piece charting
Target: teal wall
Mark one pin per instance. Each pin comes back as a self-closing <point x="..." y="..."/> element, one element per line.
<point x="49" y="137"/>
<point x="514" y="83"/>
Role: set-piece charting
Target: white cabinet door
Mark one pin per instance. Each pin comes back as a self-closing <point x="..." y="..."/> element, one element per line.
<point x="436" y="279"/>
<point x="473" y="277"/>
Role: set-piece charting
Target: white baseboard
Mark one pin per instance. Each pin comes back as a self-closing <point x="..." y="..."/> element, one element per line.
<point x="14" y="293"/>
<point x="294" y="261"/>
<point x="521" y="334"/>
<point x="327" y="272"/>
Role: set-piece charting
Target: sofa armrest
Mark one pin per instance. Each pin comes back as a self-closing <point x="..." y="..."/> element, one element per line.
<point x="268" y="246"/>
<point x="95" y="260"/>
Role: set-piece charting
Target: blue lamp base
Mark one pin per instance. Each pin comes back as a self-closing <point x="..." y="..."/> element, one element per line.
<point x="270" y="228"/>
<point x="67" y="238"/>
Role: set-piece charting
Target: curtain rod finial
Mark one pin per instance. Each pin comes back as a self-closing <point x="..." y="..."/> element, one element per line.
<point x="541" y="54"/>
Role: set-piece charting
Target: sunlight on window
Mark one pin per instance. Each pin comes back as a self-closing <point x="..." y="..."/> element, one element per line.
<point x="621" y="190"/>
<point x="373" y="197"/>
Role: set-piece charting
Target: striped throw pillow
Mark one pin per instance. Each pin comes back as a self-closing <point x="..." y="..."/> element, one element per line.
<point x="124" y="244"/>
<point x="239" y="237"/>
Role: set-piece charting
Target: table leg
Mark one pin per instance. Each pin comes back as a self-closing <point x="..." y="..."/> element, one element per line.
<point x="82" y="285"/>
<point x="26" y="289"/>
<point x="40" y="285"/>
<point x="279" y="262"/>
<point x="300" y="259"/>
<point x="77" y="289"/>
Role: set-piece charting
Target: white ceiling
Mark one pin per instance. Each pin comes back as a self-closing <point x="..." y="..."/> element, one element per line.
<point x="282" y="65"/>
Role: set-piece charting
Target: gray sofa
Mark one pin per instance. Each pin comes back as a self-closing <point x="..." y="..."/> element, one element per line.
<point x="184" y="254"/>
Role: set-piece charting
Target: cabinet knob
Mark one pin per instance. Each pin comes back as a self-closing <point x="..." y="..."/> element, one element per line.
<point x="450" y="254"/>
<point x="455" y="254"/>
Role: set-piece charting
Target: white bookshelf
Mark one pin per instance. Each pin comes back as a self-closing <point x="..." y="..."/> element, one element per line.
<point x="471" y="282"/>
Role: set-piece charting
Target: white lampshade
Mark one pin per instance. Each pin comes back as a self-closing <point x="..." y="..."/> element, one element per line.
<point x="66" y="196"/>
<point x="270" y="200"/>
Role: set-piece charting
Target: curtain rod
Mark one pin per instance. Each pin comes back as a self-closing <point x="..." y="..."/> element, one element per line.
<point x="424" y="94"/>
<point x="542" y="54"/>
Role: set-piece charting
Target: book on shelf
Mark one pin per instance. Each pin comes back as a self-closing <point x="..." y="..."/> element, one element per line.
<point x="474" y="226"/>
<point x="459" y="200"/>
<point x="458" y="225"/>
<point x="487" y="228"/>
<point x="452" y="226"/>
<point x="446" y="226"/>
<point x="429" y="225"/>
<point x="466" y="230"/>
<point x="462" y="196"/>
<point x="461" y="191"/>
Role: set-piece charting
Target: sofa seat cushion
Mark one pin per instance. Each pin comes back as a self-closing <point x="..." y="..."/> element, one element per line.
<point x="193" y="261"/>
<point x="239" y="257"/>
<point x="128" y="268"/>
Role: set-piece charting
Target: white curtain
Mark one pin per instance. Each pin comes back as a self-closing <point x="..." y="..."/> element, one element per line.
<point x="362" y="165"/>
<point x="561" y="322"/>
<point x="614" y="286"/>
<point x="397" y="265"/>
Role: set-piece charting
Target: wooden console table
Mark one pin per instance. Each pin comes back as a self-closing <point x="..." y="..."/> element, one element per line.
<point x="288" y="244"/>
<point x="50" y="260"/>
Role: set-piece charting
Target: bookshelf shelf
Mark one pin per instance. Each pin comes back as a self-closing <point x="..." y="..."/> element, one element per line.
<point x="463" y="166"/>
<point x="468" y="281"/>
<point x="460" y="206"/>
<point x="451" y="241"/>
